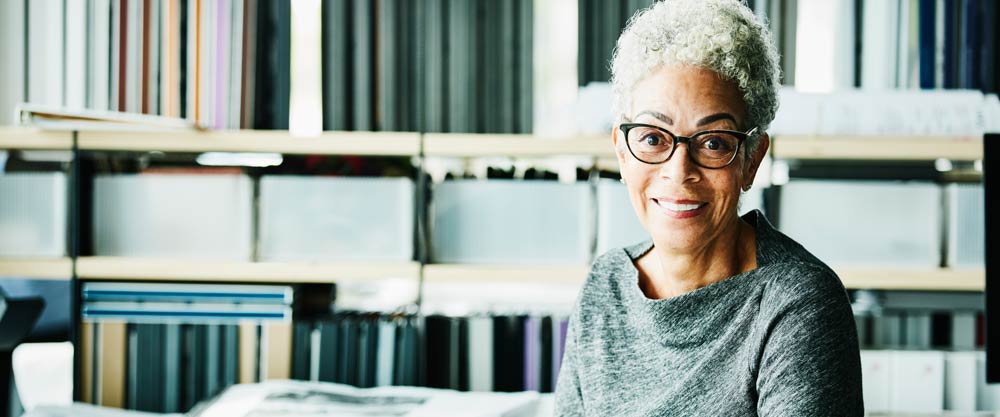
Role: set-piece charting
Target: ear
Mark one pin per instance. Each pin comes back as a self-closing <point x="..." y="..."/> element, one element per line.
<point x="619" y="148"/>
<point x="758" y="156"/>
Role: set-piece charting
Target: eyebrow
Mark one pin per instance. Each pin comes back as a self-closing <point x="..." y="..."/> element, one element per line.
<point x="704" y="120"/>
<point x="662" y="117"/>
<point x="716" y="117"/>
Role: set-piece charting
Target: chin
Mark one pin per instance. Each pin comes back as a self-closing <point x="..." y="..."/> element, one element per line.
<point x="676" y="233"/>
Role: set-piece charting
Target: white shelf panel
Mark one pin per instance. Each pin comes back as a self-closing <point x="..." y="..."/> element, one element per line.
<point x="518" y="145"/>
<point x="261" y="141"/>
<point x="28" y="138"/>
<point x="56" y="269"/>
<point x="900" y="148"/>
<point x="121" y="268"/>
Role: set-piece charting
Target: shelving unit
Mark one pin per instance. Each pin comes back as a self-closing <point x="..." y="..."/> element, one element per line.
<point x="897" y="148"/>
<point x="860" y="148"/>
<point x="55" y="269"/>
<point x="154" y="269"/>
<point x="28" y="138"/>
<point x="255" y="141"/>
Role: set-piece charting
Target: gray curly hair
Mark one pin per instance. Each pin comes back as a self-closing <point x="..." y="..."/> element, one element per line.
<point x="721" y="35"/>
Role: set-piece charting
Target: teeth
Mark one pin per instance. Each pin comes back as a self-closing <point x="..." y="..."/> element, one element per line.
<point x="678" y="207"/>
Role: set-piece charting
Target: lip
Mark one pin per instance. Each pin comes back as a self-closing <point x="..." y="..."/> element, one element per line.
<point x="681" y="214"/>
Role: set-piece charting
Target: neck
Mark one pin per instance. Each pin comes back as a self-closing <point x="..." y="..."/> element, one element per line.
<point x="671" y="273"/>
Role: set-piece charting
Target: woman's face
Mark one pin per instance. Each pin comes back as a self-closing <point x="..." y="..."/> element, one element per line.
<point x="681" y="204"/>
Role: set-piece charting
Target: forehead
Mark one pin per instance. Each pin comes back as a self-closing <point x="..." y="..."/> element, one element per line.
<point x="686" y="92"/>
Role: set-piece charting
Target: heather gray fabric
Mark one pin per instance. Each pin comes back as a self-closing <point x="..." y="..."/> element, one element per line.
<point x="775" y="341"/>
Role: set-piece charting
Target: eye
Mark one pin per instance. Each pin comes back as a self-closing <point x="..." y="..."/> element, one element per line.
<point x="713" y="144"/>
<point x="651" y="140"/>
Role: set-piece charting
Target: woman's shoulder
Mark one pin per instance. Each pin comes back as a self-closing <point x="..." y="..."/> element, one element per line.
<point x="613" y="267"/>
<point x="617" y="262"/>
<point x="788" y="269"/>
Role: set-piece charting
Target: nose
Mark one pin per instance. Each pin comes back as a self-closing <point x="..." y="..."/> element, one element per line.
<point x="680" y="168"/>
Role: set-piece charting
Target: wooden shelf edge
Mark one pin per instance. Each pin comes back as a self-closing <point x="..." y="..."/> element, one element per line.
<point x="255" y="141"/>
<point x="153" y="269"/>
<point x="60" y="269"/>
<point x="453" y="273"/>
<point x="943" y="279"/>
<point x="32" y="138"/>
<point x="514" y="145"/>
<point x="920" y="148"/>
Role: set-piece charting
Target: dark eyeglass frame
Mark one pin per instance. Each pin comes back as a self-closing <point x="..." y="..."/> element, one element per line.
<point x="740" y="136"/>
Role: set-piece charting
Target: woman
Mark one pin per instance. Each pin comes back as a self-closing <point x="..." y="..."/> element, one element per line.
<point x="718" y="315"/>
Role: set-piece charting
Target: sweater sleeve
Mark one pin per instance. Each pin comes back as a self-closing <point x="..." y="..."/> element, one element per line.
<point x="568" y="397"/>
<point x="809" y="364"/>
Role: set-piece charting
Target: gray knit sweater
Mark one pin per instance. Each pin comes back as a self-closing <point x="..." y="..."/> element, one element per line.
<point x="775" y="341"/>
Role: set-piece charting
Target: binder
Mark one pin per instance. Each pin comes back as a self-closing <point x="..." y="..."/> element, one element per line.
<point x="435" y="76"/>
<point x="384" y="363"/>
<point x="508" y="353"/>
<point x="480" y="354"/>
<point x="329" y="346"/>
<point x="195" y="365"/>
<point x="348" y="371"/>
<point x="336" y="64"/>
<point x="438" y="333"/>
<point x="301" y="347"/>
<point x="531" y="353"/>
<point x="172" y="360"/>
<point x="545" y="353"/>
<point x="362" y="60"/>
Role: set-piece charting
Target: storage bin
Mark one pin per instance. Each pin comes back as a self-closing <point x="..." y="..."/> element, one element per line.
<point x="33" y="215"/>
<point x="891" y="224"/>
<point x="617" y="223"/>
<point x="336" y="218"/>
<point x="173" y="215"/>
<point x="511" y="222"/>
<point x="967" y="226"/>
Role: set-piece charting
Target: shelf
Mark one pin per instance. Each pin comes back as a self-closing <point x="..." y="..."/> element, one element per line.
<point x="141" y="269"/>
<point x="55" y="269"/>
<point x="442" y="273"/>
<point x="894" y="148"/>
<point x="517" y="145"/>
<point x="28" y="138"/>
<point x="943" y="279"/>
<point x="258" y="141"/>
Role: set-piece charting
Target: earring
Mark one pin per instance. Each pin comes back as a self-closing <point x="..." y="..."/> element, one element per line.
<point x="621" y="180"/>
<point x="747" y="187"/>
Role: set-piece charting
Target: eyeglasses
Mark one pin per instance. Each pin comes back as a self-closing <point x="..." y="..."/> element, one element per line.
<point x="711" y="149"/>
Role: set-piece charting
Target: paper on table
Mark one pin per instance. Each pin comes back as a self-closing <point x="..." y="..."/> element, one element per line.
<point x="87" y="410"/>
<point x="296" y="398"/>
<point x="43" y="373"/>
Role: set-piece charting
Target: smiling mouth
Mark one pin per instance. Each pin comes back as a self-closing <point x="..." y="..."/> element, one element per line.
<point x="680" y="207"/>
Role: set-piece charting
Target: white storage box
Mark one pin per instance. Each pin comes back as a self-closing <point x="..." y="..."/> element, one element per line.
<point x="871" y="223"/>
<point x="511" y="222"/>
<point x="876" y="379"/>
<point x="33" y="215"/>
<point x="617" y="224"/>
<point x="967" y="226"/>
<point x="336" y="218"/>
<point x="917" y="381"/>
<point x="173" y="216"/>
<point x="960" y="381"/>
